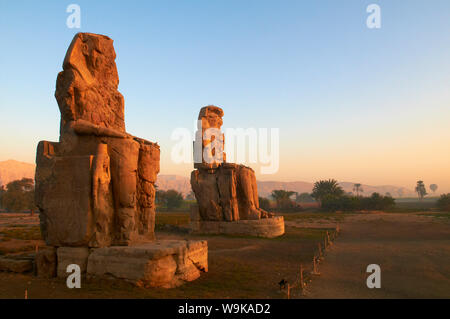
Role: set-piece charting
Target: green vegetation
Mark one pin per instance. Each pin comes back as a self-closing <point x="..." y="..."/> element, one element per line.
<point x="420" y="190"/>
<point x="355" y="203"/>
<point x="411" y="205"/>
<point x="443" y="202"/>
<point x="304" y="198"/>
<point x="18" y="195"/>
<point x="332" y="198"/>
<point x="326" y="190"/>
<point x="284" y="202"/>
<point x="357" y="188"/>
<point x="264" y="203"/>
<point x="170" y="199"/>
<point x="283" y="199"/>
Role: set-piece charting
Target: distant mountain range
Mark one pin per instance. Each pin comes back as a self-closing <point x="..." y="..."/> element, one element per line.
<point x="265" y="188"/>
<point x="11" y="170"/>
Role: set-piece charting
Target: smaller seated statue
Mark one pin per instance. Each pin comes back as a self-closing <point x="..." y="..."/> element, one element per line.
<point x="224" y="191"/>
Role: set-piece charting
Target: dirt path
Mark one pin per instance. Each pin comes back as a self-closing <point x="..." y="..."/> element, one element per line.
<point x="413" y="252"/>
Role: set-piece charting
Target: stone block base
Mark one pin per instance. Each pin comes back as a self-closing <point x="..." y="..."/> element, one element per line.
<point x="162" y="263"/>
<point x="21" y="263"/>
<point x="267" y="227"/>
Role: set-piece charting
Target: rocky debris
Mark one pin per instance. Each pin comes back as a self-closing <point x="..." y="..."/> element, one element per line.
<point x="165" y="263"/>
<point x="94" y="188"/>
<point x="17" y="263"/>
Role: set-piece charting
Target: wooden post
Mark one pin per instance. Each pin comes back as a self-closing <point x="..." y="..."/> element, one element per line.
<point x="320" y="251"/>
<point x="328" y="239"/>
<point x="26" y="294"/>
<point x="301" y="277"/>
<point x="288" y="291"/>
<point x="315" y="271"/>
<point x="302" y="280"/>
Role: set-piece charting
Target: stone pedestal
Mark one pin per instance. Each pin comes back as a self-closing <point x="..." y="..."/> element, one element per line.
<point x="162" y="263"/>
<point x="95" y="187"/>
<point x="266" y="228"/>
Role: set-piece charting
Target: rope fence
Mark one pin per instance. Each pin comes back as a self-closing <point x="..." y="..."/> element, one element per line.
<point x="304" y="278"/>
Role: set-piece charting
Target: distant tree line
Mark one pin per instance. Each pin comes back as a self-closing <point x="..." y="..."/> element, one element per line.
<point x="169" y="199"/>
<point x="443" y="202"/>
<point x="332" y="197"/>
<point x="18" y="195"/>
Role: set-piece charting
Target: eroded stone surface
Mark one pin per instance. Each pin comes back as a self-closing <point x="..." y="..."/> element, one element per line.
<point x="18" y="264"/>
<point x="71" y="255"/>
<point x="165" y="263"/>
<point x="46" y="262"/>
<point x="266" y="227"/>
<point x="95" y="187"/>
<point x="224" y="191"/>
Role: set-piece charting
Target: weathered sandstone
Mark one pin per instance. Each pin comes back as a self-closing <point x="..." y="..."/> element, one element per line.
<point x="46" y="262"/>
<point x="95" y="187"/>
<point x="165" y="263"/>
<point x="224" y="191"/>
<point x="71" y="255"/>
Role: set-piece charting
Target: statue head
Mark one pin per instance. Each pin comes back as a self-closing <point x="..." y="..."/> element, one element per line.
<point x="210" y="117"/>
<point x="93" y="56"/>
<point x="87" y="87"/>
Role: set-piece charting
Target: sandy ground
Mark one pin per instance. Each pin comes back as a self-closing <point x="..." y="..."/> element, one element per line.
<point x="413" y="252"/>
<point x="239" y="267"/>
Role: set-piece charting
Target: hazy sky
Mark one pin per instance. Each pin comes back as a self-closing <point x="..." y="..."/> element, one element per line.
<point x="351" y="103"/>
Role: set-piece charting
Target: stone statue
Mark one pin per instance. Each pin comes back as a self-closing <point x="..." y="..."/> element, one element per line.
<point x="224" y="191"/>
<point x="95" y="187"/>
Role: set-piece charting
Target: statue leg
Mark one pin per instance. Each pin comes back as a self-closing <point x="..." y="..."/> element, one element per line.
<point x="124" y="163"/>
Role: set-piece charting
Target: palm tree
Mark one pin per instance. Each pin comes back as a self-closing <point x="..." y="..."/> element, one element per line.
<point x="357" y="188"/>
<point x="280" y="196"/>
<point x="420" y="189"/>
<point x="326" y="188"/>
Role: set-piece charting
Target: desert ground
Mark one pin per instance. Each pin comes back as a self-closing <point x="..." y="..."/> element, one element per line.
<point x="412" y="249"/>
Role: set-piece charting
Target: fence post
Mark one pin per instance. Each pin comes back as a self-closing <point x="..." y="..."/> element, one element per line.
<point x="315" y="271"/>
<point x="320" y="251"/>
<point x="302" y="280"/>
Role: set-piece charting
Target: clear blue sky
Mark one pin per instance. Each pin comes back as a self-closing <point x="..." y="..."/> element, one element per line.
<point x="352" y="103"/>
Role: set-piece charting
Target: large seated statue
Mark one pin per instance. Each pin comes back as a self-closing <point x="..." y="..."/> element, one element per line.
<point x="224" y="191"/>
<point x="95" y="187"/>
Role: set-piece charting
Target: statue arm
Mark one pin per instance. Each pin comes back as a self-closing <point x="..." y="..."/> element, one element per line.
<point x="83" y="127"/>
